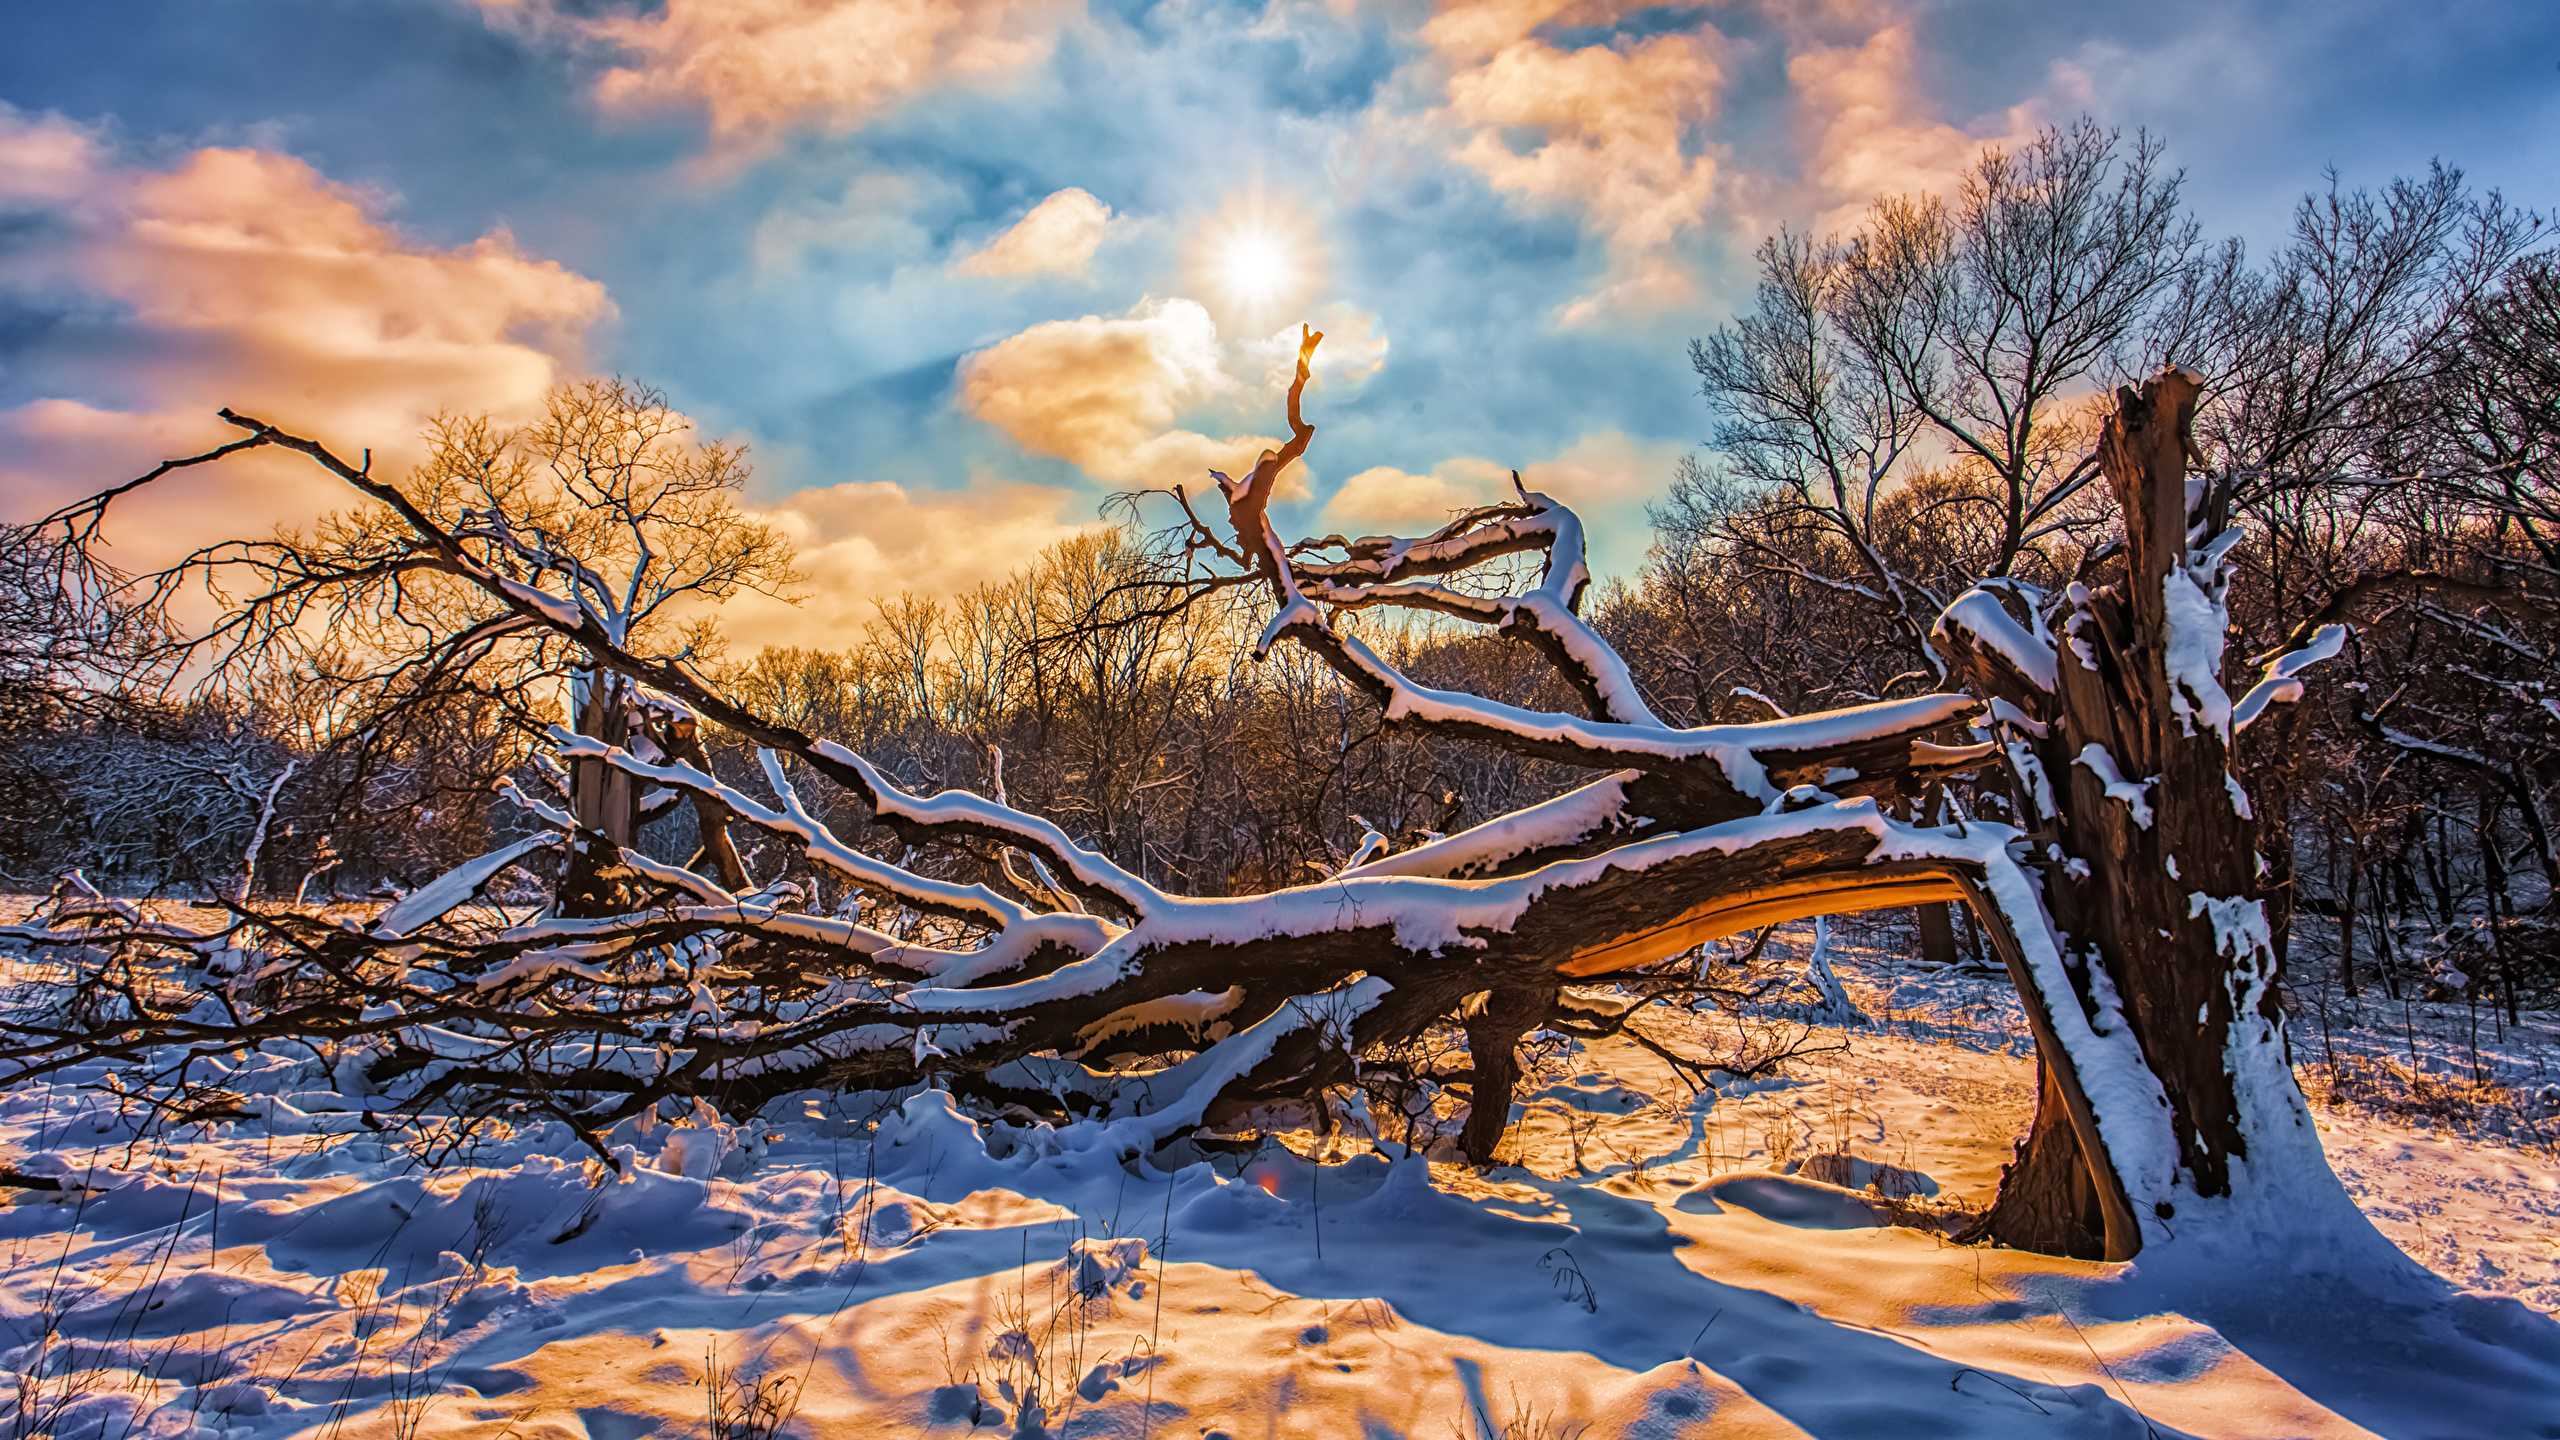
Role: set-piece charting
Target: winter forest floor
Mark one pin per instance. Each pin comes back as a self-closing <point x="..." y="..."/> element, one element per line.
<point x="1658" y="1263"/>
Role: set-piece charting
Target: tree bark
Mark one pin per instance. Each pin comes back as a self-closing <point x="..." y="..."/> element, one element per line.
<point x="602" y="799"/>
<point x="1494" y="1033"/>
<point x="1937" y="934"/>
<point x="682" y="740"/>
<point x="2047" y="1199"/>
<point x="2162" y="910"/>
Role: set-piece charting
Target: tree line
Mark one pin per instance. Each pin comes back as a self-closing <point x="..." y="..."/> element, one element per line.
<point x="1900" y="413"/>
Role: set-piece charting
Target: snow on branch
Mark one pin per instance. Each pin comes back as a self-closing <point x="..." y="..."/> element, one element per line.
<point x="792" y="820"/>
<point x="1569" y="823"/>
<point x="1547" y="616"/>
<point x="1726" y="770"/>
<point x="1086" y="871"/>
<point x="1196" y="1083"/>
<point x="2136" y="794"/>
<point x="604" y="634"/>
<point x="2278" y="684"/>
<point x="1977" y="622"/>
<point x="437" y="898"/>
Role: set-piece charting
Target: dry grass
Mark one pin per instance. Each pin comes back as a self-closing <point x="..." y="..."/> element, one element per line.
<point x="2392" y="1089"/>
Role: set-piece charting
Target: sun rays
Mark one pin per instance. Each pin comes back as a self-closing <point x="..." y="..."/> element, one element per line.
<point x="1257" y="261"/>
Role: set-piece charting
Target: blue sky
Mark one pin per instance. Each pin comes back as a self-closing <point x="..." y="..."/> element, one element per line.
<point x="1510" y="214"/>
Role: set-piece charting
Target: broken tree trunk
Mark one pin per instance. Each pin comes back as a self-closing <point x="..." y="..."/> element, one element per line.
<point x="681" y="739"/>
<point x="603" y="799"/>
<point x="2120" y="737"/>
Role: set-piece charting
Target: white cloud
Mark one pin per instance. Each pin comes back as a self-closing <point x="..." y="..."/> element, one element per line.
<point x="881" y="218"/>
<point x="44" y="157"/>
<point x="1353" y="352"/>
<point x="1056" y="237"/>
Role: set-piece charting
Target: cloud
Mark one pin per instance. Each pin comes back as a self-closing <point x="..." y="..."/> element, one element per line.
<point x="1593" y="108"/>
<point x="304" y="294"/>
<point x="1869" y="131"/>
<point x="245" y="277"/>
<point x="1383" y="500"/>
<point x="866" y="541"/>
<point x="1607" y="129"/>
<point x="1606" y="470"/>
<point x="1110" y="394"/>
<point x="1105" y="394"/>
<point x="881" y="217"/>
<point x="56" y="450"/>
<point x="1092" y="390"/>
<point x="1354" y="351"/>
<point x="760" y="68"/>
<point x="1057" y="237"/>
<point x="1645" y="284"/>
<point x="1606" y="476"/>
<point x="43" y="157"/>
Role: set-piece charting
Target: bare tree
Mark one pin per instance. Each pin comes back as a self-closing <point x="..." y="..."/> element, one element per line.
<point x="1951" y="338"/>
<point x="2119" y="734"/>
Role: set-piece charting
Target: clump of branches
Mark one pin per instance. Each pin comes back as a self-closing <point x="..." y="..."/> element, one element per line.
<point x="970" y="944"/>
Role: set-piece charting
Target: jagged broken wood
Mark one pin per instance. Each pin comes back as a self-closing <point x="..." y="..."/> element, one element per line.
<point x="2118" y="739"/>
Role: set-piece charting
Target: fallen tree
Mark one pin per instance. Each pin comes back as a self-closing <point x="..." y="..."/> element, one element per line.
<point x="1004" y="960"/>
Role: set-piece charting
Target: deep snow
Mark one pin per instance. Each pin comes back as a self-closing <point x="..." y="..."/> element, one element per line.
<point x="1658" y="1264"/>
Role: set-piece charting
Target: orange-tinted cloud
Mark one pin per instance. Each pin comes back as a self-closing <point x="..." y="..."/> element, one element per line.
<point x="1093" y="389"/>
<point x="758" y="68"/>
<point x="1608" y="129"/>
<point x="1869" y="131"/>
<point x="54" y="451"/>
<point x="866" y="541"/>
<point x="1605" y="476"/>
<point x="1109" y="394"/>
<point x="1104" y="394"/>
<point x="1383" y="500"/>
<point x="245" y="278"/>
<point x="1056" y="237"/>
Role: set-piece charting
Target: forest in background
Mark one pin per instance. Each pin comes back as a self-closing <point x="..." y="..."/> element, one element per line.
<point x="1898" y="414"/>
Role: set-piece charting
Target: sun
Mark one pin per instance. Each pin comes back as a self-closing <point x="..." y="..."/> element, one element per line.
<point x="1255" y="268"/>
<point x="1255" y="261"/>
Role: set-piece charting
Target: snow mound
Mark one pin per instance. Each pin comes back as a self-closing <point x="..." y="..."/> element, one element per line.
<point x="1854" y="1172"/>
<point x="1785" y="1200"/>
<point x="1098" y="1267"/>
<point x="189" y="1304"/>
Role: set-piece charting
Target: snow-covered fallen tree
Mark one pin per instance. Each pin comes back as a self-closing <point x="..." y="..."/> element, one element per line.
<point x="1002" y="959"/>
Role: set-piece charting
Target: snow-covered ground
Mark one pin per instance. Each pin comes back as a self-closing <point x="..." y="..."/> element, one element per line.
<point x="1660" y="1263"/>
